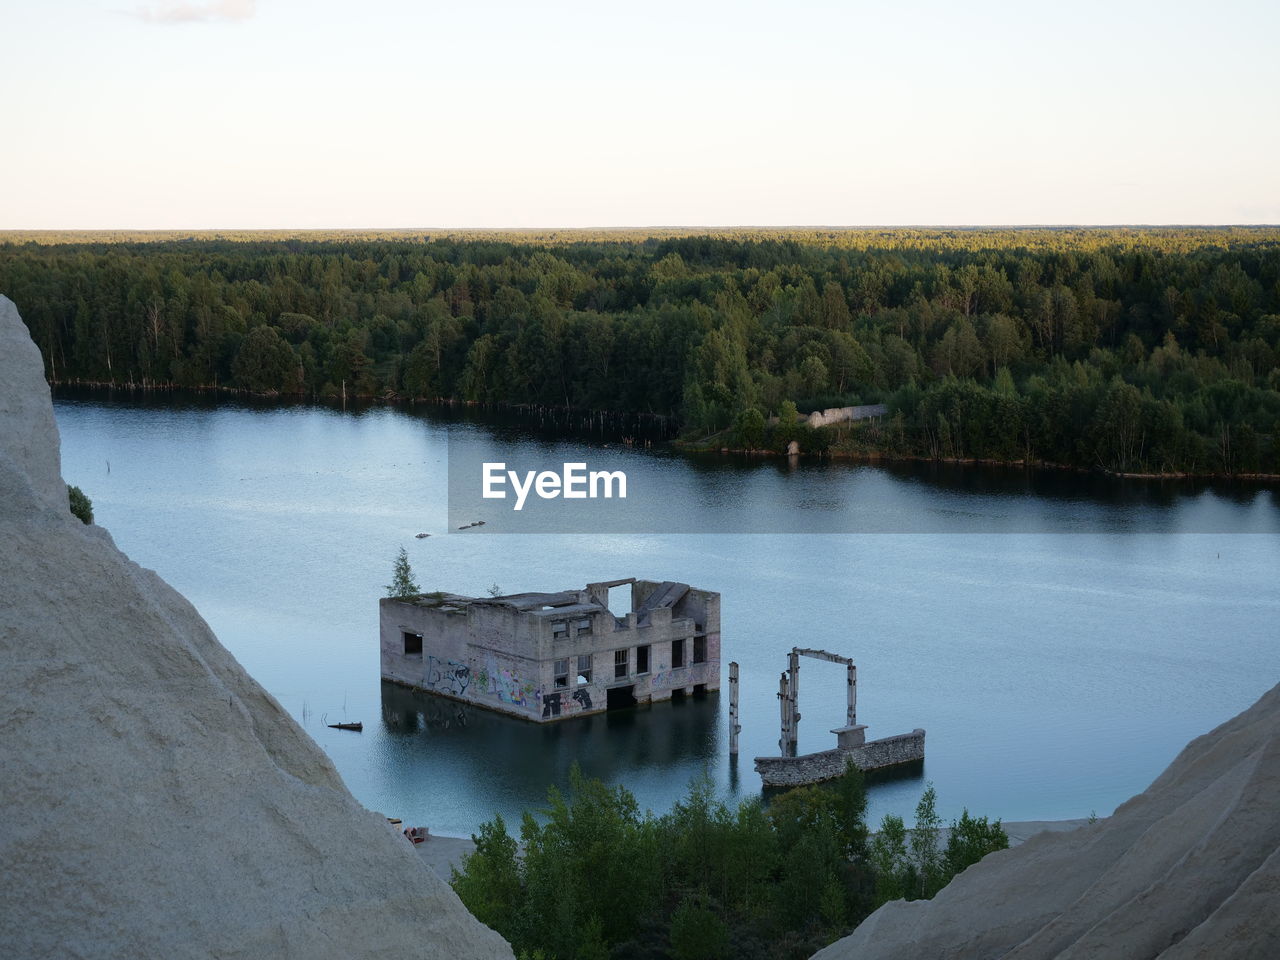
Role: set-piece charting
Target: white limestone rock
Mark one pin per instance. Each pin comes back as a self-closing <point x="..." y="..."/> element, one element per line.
<point x="157" y="802"/>
<point x="1187" y="870"/>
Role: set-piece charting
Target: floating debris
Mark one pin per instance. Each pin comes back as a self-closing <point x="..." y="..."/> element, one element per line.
<point x="358" y="726"/>
<point x="421" y="536"/>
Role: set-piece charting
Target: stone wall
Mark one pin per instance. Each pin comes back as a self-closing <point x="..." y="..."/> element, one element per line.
<point x="825" y="418"/>
<point x="829" y="764"/>
<point x="831" y="415"/>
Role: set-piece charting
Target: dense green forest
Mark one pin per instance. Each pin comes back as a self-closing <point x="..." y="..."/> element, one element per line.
<point x="597" y="879"/>
<point x="1126" y="350"/>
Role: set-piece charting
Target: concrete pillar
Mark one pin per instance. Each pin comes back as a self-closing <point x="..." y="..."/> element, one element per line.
<point x="783" y="738"/>
<point x="734" y="726"/>
<point x="850" y="737"/>
<point x="795" y="701"/>
<point x="852" y="715"/>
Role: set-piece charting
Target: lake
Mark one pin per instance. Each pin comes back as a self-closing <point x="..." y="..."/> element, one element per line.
<point x="1060" y="637"/>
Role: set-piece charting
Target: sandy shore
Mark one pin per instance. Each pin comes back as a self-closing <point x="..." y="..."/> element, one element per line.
<point x="443" y="853"/>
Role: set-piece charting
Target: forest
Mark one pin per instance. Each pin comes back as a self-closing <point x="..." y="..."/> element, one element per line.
<point x="594" y="878"/>
<point x="1124" y="350"/>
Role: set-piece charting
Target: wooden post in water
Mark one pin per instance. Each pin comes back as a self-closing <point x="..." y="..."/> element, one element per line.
<point x="734" y="726"/>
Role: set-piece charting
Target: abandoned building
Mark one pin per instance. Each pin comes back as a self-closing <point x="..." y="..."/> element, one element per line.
<point x="546" y="656"/>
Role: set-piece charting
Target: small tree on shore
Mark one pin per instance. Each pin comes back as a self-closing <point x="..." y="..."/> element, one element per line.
<point x="80" y="504"/>
<point x="402" y="584"/>
<point x="924" y="846"/>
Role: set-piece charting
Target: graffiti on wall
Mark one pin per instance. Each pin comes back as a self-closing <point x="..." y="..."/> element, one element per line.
<point x="451" y="677"/>
<point x="556" y="704"/>
<point x="509" y="686"/>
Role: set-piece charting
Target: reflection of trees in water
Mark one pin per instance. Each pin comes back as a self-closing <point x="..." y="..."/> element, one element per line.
<point x="607" y="745"/>
<point x="1000" y="480"/>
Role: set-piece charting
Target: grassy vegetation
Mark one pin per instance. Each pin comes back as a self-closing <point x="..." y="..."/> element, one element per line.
<point x="80" y="504"/>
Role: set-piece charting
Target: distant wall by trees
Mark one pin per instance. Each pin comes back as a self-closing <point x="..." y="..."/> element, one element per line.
<point x="1132" y="350"/>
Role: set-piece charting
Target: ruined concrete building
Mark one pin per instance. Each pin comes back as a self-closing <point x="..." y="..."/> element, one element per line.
<point x="545" y="656"/>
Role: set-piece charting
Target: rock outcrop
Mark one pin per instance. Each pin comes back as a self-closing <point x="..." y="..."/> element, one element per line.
<point x="1187" y="870"/>
<point x="157" y="802"/>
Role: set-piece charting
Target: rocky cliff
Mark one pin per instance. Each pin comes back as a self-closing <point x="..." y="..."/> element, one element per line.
<point x="156" y="801"/>
<point x="1187" y="870"/>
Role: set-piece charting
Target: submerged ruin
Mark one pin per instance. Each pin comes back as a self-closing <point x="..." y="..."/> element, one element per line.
<point x="548" y="656"/>
<point x="852" y="745"/>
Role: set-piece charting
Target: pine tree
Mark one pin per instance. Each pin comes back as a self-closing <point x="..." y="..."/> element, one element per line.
<point x="402" y="584"/>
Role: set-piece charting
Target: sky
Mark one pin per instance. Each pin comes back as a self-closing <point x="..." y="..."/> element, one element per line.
<point x="565" y="113"/>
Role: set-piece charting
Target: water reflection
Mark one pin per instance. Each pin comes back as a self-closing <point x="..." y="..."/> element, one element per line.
<point x="646" y="747"/>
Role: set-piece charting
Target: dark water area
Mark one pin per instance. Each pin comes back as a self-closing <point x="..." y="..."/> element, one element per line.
<point x="1056" y="673"/>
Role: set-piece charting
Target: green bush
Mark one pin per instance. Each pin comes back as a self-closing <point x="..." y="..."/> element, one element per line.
<point x="81" y="505"/>
<point x="972" y="838"/>
<point x="597" y="878"/>
<point x="697" y="933"/>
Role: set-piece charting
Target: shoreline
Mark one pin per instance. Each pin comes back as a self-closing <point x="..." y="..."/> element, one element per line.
<point x="684" y="448"/>
<point x="877" y="457"/>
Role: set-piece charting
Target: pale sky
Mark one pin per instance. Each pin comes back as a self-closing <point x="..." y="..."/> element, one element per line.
<point x="493" y="113"/>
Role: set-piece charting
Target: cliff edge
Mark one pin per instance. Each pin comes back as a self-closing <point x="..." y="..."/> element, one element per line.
<point x="157" y="801"/>
<point x="1187" y="870"/>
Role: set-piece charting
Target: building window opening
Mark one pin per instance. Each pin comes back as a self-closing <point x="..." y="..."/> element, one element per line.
<point x="642" y="659"/>
<point x="620" y="664"/>
<point x="562" y="673"/>
<point x="584" y="668"/>
<point x="412" y="644"/>
<point x="583" y="627"/>
<point x="699" y="649"/>
<point x="620" y="601"/>
<point x="560" y="630"/>
<point x="677" y="654"/>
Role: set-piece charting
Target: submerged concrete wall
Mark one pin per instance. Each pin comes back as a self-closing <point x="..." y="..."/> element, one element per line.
<point x="829" y="764"/>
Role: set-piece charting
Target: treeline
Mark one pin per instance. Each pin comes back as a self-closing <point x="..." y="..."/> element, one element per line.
<point x="598" y="879"/>
<point x="1125" y="350"/>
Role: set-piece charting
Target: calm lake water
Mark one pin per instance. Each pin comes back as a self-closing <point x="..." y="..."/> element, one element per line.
<point x="1055" y="672"/>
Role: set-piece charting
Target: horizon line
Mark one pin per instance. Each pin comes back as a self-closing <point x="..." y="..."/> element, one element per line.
<point x="665" y="226"/>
